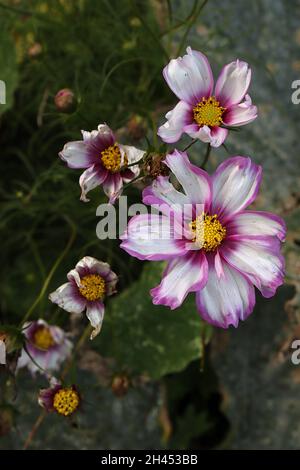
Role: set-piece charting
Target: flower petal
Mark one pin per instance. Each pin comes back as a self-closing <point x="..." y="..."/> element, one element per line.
<point x="240" y="114"/>
<point x="196" y="183"/>
<point x="189" y="77"/>
<point x="152" y="237"/>
<point x="233" y="83"/>
<point x="214" y="136"/>
<point x="112" y="186"/>
<point x="183" y="275"/>
<point x="235" y="185"/>
<point x="226" y="299"/>
<point x="95" y="314"/>
<point x="68" y="298"/>
<point x="76" y="155"/>
<point x="177" y="119"/>
<point x="90" y="179"/>
<point x="259" y="259"/>
<point x="162" y="193"/>
<point x="256" y="223"/>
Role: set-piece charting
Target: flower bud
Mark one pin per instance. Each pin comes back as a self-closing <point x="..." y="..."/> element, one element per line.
<point x="65" y="101"/>
<point x="120" y="385"/>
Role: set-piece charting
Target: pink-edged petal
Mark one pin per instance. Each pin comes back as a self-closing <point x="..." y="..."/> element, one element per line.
<point x="68" y="298"/>
<point x="233" y="83"/>
<point x="215" y="136"/>
<point x="259" y="259"/>
<point x="90" y="179"/>
<point x="89" y="265"/>
<point x="112" y="186"/>
<point x="225" y="299"/>
<point x="100" y="139"/>
<point x="152" y="237"/>
<point x="240" y="114"/>
<point x="235" y="185"/>
<point x="95" y="314"/>
<point x="189" y="77"/>
<point x="255" y="223"/>
<point x="133" y="155"/>
<point x="76" y="155"/>
<point x="163" y="194"/>
<point x="196" y="183"/>
<point x="183" y="275"/>
<point x="177" y="119"/>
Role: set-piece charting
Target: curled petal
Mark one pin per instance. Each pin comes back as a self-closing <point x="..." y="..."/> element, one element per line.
<point x="95" y="314"/>
<point x="68" y="298"/>
<point x="90" y="179"/>
<point x="177" y="119"/>
<point x="183" y="275"/>
<point x="240" y="114"/>
<point x="76" y="155"/>
<point x="189" y="77"/>
<point x="162" y="193"/>
<point x="233" y="83"/>
<point x="225" y="299"/>
<point x="236" y="183"/>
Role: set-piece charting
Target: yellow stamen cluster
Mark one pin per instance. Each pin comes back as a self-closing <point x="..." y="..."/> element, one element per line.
<point x="43" y="339"/>
<point x="208" y="231"/>
<point x="208" y="112"/>
<point x="112" y="159"/>
<point x="92" y="287"/>
<point x="66" y="401"/>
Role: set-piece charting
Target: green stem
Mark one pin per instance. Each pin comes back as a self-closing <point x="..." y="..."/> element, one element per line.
<point x="189" y="145"/>
<point x="52" y="271"/>
<point x="206" y="157"/>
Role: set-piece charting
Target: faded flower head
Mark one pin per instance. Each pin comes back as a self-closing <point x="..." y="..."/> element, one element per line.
<point x="46" y="345"/>
<point x="107" y="162"/>
<point x="89" y="284"/>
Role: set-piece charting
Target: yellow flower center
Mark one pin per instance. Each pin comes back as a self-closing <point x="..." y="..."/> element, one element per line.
<point x="208" y="112"/>
<point x="208" y="231"/>
<point x="92" y="287"/>
<point x="66" y="401"/>
<point x="112" y="159"/>
<point x="43" y="339"/>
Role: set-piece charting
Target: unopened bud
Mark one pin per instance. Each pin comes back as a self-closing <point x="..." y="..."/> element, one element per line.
<point x="65" y="100"/>
<point x="35" y="50"/>
<point x="120" y="385"/>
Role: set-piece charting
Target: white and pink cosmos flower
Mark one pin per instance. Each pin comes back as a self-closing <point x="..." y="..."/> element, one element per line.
<point x="47" y="346"/>
<point x="216" y="249"/>
<point x="88" y="285"/>
<point x="204" y="111"/>
<point x="107" y="162"/>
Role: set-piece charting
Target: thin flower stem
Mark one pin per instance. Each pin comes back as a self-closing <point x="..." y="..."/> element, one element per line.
<point x="132" y="181"/>
<point x="206" y="157"/>
<point x="189" y="145"/>
<point x="33" y="431"/>
<point x="52" y="271"/>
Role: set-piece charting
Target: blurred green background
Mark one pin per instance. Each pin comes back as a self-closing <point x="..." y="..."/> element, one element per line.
<point x="186" y="385"/>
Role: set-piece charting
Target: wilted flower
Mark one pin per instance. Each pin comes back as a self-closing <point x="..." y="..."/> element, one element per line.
<point x="89" y="283"/>
<point x="107" y="161"/>
<point x="62" y="400"/>
<point x="222" y="251"/>
<point x="2" y="349"/>
<point x="202" y="113"/>
<point x="46" y="344"/>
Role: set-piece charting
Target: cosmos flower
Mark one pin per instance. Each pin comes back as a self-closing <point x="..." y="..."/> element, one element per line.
<point x="46" y="344"/>
<point x="62" y="400"/>
<point x="203" y="111"/>
<point x="89" y="283"/>
<point x="222" y="251"/>
<point x="107" y="162"/>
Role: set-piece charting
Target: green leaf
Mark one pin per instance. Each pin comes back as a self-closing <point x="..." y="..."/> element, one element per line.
<point x="148" y="339"/>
